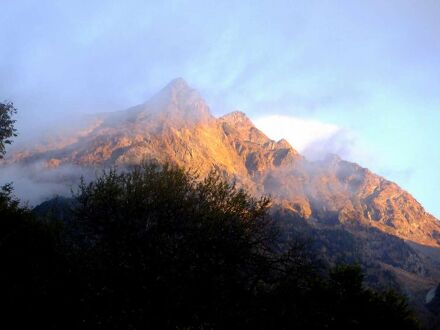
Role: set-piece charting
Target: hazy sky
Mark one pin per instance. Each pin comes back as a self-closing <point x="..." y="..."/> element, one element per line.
<point x="360" y="78"/>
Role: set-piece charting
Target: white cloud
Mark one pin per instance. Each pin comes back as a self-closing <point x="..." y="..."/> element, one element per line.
<point x="314" y="139"/>
<point x="301" y="133"/>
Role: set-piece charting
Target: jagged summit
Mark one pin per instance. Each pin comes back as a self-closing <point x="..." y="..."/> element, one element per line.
<point x="178" y="84"/>
<point x="336" y="198"/>
<point x="283" y="143"/>
<point x="176" y="125"/>
<point x="237" y="119"/>
<point x="175" y="105"/>
<point x="177" y="89"/>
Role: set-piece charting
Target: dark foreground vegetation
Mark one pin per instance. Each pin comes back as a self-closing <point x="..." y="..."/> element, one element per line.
<point x="157" y="248"/>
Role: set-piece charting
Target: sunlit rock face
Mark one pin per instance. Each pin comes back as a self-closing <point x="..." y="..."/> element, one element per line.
<point x="176" y="126"/>
<point x="350" y="212"/>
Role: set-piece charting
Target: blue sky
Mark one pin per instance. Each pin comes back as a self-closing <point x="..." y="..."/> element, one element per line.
<point x="361" y="78"/>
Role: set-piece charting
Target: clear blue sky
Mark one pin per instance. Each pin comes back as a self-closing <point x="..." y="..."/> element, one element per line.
<point x="369" y="70"/>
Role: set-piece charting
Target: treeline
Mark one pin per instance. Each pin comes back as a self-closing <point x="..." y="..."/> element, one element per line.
<point x="157" y="247"/>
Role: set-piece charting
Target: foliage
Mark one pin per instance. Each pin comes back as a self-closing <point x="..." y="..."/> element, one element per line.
<point x="158" y="247"/>
<point x="189" y="252"/>
<point x="7" y="129"/>
<point x="34" y="281"/>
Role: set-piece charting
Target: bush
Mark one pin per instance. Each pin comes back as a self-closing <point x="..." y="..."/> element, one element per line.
<point x="157" y="247"/>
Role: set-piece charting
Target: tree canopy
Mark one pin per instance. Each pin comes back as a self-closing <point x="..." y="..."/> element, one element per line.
<point x="7" y="129"/>
<point x="157" y="247"/>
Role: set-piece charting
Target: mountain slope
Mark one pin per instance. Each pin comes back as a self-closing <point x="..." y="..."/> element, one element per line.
<point x="176" y="125"/>
<point x="347" y="208"/>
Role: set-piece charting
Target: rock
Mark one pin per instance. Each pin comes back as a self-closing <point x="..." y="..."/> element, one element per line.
<point x="337" y="198"/>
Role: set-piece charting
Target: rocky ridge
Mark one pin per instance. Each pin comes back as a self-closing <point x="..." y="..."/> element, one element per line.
<point x="176" y="126"/>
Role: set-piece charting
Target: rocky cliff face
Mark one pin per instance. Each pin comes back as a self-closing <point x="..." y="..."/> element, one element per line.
<point x="176" y="125"/>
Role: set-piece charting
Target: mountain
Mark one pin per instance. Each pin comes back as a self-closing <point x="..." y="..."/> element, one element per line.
<point x="347" y="208"/>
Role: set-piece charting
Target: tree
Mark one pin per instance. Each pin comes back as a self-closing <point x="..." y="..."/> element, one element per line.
<point x="160" y="248"/>
<point x="165" y="249"/>
<point x="169" y="250"/>
<point x="35" y="274"/>
<point x="7" y="129"/>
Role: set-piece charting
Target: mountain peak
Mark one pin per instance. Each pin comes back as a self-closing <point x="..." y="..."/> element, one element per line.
<point x="283" y="143"/>
<point x="177" y="105"/>
<point x="176" y="89"/>
<point x="178" y="84"/>
<point x="237" y="118"/>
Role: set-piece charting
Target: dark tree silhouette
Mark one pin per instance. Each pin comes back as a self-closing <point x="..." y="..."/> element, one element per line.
<point x="7" y="129"/>
<point x="160" y="248"/>
<point x="166" y="250"/>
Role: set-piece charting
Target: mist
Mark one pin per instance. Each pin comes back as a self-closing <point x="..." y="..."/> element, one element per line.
<point x="35" y="183"/>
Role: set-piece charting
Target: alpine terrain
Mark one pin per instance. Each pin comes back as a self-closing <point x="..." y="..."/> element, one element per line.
<point x="349" y="213"/>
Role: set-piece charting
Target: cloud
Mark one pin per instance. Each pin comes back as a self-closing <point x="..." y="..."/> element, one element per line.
<point x="301" y="133"/>
<point x="35" y="183"/>
<point x="313" y="138"/>
<point x="342" y="142"/>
